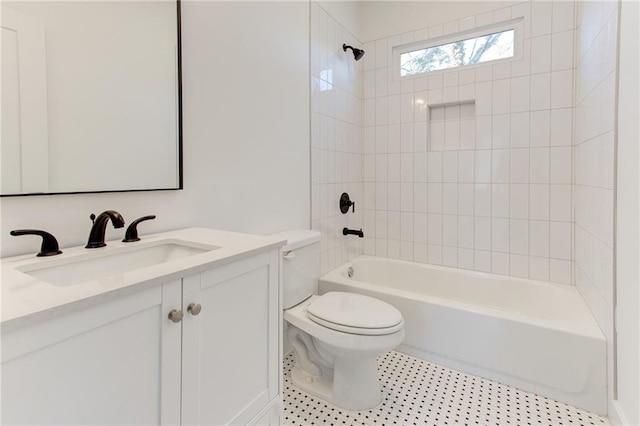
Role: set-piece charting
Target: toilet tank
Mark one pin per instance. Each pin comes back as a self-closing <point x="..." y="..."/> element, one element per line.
<point x="300" y="265"/>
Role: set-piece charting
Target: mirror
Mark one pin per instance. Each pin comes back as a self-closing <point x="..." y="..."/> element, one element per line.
<point x="91" y="97"/>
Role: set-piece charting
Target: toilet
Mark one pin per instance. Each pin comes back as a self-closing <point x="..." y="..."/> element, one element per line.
<point x="336" y="337"/>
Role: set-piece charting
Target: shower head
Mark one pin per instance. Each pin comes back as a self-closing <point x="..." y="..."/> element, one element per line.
<point x="357" y="53"/>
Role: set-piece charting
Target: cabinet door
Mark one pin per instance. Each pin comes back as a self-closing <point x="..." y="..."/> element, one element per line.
<point x="114" y="363"/>
<point x="230" y="350"/>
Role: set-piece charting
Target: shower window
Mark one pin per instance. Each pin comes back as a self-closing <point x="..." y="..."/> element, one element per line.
<point x="494" y="43"/>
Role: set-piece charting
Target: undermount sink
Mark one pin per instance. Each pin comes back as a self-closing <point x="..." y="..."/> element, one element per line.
<point x="112" y="262"/>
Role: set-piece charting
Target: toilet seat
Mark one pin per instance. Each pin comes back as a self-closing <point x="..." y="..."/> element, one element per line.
<point x="353" y="341"/>
<point x="355" y="314"/>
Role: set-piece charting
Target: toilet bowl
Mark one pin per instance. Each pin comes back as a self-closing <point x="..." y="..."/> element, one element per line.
<point x="336" y="337"/>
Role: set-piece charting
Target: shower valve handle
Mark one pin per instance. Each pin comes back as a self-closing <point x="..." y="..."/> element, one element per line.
<point x="345" y="203"/>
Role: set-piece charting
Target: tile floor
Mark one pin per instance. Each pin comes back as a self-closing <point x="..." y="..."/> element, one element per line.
<point x="417" y="392"/>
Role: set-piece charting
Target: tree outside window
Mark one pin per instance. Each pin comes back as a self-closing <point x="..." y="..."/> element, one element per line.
<point x="460" y="53"/>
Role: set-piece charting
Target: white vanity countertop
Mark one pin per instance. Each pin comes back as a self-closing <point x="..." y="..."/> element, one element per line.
<point x="27" y="300"/>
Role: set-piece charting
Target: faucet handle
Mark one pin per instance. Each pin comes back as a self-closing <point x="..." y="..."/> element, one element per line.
<point x="92" y="216"/>
<point x="131" y="234"/>
<point x="49" y="243"/>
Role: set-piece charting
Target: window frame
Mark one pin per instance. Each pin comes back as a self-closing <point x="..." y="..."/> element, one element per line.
<point x="518" y="41"/>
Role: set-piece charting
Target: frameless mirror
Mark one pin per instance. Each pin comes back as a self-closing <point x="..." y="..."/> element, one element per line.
<point x="91" y="96"/>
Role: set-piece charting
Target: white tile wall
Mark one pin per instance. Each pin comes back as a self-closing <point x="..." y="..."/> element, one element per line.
<point x="594" y="163"/>
<point x="337" y="141"/>
<point x="486" y="182"/>
<point x="493" y="184"/>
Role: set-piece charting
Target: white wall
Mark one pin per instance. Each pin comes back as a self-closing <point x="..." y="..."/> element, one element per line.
<point x="495" y="195"/>
<point x="246" y="135"/>
<point x="247" y="83"/>
<point x="594" y="162"/>
<point x="627" y="407"/>
<point x="382" y="19"/>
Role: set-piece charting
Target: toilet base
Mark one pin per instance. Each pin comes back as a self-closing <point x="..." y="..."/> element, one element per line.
<point x="336" y="366"/>
<point x="355" y="384"/>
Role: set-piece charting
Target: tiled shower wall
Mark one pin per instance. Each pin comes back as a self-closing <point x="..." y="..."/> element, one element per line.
<point x="594" y="152"/>
<point x="336" y="138"/>
<point x="473" y="168"/>
<point x="485" y="168"/>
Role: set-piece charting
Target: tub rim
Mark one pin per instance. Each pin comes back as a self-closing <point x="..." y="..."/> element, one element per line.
<point x="586" y="327"/>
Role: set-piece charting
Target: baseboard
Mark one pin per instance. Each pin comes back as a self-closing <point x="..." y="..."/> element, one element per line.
<point x="617" y="416"/>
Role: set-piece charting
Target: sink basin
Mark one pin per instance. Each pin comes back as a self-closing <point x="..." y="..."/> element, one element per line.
<point x="112" y="262"/>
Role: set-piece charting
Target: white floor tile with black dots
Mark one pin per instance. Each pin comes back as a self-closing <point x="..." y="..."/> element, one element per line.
<point x="417" y="392"/>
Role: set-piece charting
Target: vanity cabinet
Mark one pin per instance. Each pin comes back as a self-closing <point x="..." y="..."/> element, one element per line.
<point x="124" y="361"/>
<point x="230" y="350"/>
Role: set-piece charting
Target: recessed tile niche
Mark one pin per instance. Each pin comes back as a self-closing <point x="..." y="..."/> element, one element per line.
<point x="452" y="126"/>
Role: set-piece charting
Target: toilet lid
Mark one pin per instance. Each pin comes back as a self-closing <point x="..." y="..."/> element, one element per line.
<point x="355" y="313"/>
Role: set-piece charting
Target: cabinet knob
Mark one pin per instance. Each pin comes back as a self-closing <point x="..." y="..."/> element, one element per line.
<point x="194" y="308"/>
<point x="176" y="315"/>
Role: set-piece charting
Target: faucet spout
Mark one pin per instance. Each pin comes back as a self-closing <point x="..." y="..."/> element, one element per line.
<point x="96" y="236"/>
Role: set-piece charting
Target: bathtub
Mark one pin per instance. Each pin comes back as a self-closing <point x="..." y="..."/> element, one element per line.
<point x="535" y="336"/>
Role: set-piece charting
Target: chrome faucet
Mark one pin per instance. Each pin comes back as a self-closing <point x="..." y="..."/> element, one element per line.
<point x="96" y="236"/>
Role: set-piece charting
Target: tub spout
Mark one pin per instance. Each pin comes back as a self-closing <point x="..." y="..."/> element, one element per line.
<point x="347" y="231"/>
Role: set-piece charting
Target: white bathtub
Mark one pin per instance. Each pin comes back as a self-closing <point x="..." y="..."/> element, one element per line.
<point x="535" y="336"/>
